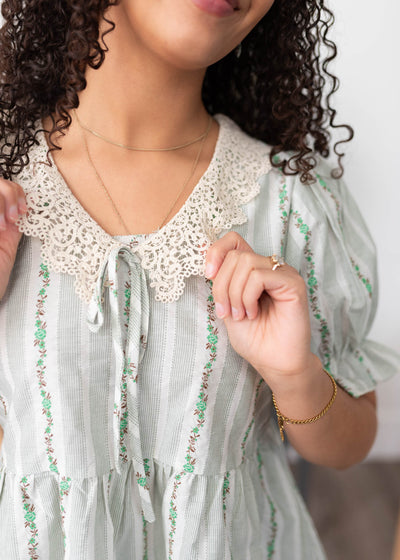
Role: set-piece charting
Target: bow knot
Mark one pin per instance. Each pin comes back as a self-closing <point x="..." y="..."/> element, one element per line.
<point x="129" y="333"/>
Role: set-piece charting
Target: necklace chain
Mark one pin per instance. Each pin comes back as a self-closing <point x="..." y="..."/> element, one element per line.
<point x="134" y="148"/>
<point x="193" y="168"/>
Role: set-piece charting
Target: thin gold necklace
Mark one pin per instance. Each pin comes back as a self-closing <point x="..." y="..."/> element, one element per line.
<point x="134" y="148"/>
<point x="194" y="166"/>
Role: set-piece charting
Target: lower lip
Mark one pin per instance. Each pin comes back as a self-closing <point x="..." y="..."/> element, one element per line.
<point x="215" y="7"/>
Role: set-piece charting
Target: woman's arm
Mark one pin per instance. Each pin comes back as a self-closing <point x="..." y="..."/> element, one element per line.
<point x="343" y="436"/>
<point x="267" y="318"/>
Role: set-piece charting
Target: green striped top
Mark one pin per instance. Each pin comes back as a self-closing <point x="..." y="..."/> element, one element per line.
<point x="132" y="429"/>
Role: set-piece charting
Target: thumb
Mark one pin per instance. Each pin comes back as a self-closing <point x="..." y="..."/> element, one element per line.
<point x="9" y="241"/>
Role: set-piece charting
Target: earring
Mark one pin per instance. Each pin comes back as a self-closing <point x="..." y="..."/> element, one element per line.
<point x="238" y="50"/>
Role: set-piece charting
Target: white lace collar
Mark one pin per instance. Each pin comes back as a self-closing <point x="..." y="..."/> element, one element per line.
<point x="73" y="243"/>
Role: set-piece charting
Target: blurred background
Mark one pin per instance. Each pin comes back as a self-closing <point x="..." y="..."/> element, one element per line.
<point x="356" y="511"/>
<point x="368" y="41"/>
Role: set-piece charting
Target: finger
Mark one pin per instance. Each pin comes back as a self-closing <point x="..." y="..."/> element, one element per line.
<point x="283" y="286"/>
<point x="218" y="251"/>
<point x="21" y="197"/>
<point x="3" y="224"/>
<point x="13" y="199"/>
<point x="221" y="284"/>
<point x="22" y="204"/>
<point x="246" y="263"/>
<point x="5" y="184"/>
<point x="8" y="192"/>
<point x="252" y="292"/>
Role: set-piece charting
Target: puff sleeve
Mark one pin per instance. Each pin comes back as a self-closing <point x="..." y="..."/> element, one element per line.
<point x="327" y="240"/>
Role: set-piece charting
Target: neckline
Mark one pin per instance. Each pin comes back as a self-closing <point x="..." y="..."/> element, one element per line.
<point x="141" y="237"/>
<point x="73" y="243"/>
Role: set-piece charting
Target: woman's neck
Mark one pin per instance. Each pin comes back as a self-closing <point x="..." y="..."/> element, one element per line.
<point x="139" y="99"/>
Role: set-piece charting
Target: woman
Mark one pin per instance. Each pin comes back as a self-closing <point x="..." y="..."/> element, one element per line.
<point x="147" y="324"/>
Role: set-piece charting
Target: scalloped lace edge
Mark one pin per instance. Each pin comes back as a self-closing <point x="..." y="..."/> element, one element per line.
<point x="73" y="243"/>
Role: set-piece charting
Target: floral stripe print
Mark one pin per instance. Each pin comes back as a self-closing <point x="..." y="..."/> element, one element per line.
<point x="356" y="267"/>
<point x="312" y="288"/>
<point x="40" y="343"/>
<point x="366" y="281"/>
<point x="65" y="485"/>
<point x="30" y="514"/>
<point x="127" y="294"/>
<point x="121" y="411"/>
<point x="201" y="406"/>
<point x="283" y="202"/>
<point x="30" y="520"/>
<point x="3" y="402"/>
<point x="272" y="520"/>
<point x="225" y="492"/>
<point x="246" y="435"/>
<point x="325" y="187"/>
<point x="145" y="540"/>
<point x="143" y="481"/>
<point x="311" y="280"/>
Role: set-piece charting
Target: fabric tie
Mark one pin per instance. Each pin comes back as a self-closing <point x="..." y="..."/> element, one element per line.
<point x="127" y="441"/>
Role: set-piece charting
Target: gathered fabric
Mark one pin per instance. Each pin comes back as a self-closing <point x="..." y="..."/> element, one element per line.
<point x="132" y="428"/>
<point x="128" y="356"/>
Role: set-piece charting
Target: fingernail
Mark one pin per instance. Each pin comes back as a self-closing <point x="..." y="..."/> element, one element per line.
<point x="210" y="270"/>
<point x="235" y="313"/>
<point x="13" y="213"/>
<point x="219" y="309"/>
<point x="22" y="205"/>
<point x="248" y="315"/>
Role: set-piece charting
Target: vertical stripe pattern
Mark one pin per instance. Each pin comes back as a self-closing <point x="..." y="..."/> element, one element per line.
<point x="132" y="429"/>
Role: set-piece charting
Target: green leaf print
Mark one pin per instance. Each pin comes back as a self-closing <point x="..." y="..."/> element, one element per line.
<point x="64" y="485"/>
<point x="30" y="516"/>
<point x="212" y="338"/>
<point x="201" y="405"/>
<point x="40" y="334"/>
<point x="46" y="404"/>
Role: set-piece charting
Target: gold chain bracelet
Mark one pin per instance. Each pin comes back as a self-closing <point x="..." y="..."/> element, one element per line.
<point x="282" y="418"/>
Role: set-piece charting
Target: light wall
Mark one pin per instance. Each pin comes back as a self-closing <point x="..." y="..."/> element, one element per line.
<point x="368" y="66"/>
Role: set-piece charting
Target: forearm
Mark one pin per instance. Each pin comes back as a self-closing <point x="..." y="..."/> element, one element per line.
<point x="264" y="304"/>
<point x="343" y="436"/>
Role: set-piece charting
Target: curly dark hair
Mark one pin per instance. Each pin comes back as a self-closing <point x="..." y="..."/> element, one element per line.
<point x="276" y="89"/>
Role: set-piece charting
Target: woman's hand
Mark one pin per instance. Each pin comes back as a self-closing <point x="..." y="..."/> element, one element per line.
<point x="12" y="205"/>
<point x="267" y="319"/>
<point x="265" y="311"/>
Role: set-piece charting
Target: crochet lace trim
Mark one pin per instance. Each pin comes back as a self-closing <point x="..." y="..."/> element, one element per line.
<point x="72" y="242"/>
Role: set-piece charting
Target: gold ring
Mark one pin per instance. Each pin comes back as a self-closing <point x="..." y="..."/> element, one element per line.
<point x="277" y="262"/>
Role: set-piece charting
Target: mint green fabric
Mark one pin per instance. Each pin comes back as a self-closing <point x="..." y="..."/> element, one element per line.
<point x="132" y="429"/>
